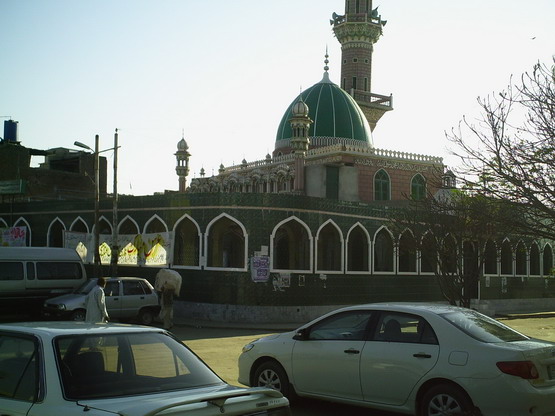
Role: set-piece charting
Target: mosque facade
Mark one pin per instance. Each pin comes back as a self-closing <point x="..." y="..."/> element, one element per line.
<point x="296" y="233"/>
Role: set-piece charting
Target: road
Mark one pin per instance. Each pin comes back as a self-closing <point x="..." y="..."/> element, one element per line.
<point x="220" y="348"/>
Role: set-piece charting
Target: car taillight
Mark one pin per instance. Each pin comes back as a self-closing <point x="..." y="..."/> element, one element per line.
<point x="524" y="369"/>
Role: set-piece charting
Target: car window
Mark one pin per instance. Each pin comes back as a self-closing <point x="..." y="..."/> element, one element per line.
<point x="18" y="368"/>
<point x="96" y="366"/>
<point x="481" y="327"/>
<point x="400" y="327"/>
<point x="146" y="288"/>
<point x="132" y="287"/>
<point x="11" y="270"/>
<point x="111" y="288"/>
<point x="350" y="325"/>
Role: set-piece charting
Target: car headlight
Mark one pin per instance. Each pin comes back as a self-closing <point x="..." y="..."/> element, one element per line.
<point x="248" y="347"/>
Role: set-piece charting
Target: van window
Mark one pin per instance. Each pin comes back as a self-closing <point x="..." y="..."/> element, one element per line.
<point x="10" y="270"/>
<point x="30" y="271"/>
<point x="55" y="270"/>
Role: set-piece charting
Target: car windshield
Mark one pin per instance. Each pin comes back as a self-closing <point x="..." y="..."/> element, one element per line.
<point x="94" y="366"/>
<point x="86" y="287"/>
<point x="482" y="328"/>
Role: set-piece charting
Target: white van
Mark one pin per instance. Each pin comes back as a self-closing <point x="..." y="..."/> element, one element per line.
<point x="39" y="272"/>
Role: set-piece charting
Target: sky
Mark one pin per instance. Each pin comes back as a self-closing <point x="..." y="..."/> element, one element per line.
<point x="221" y="73"/>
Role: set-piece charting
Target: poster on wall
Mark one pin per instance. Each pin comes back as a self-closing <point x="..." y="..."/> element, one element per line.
<point x="13" y="236"/>
<point x="151" y="249"/>
<point x="260" y="268"/>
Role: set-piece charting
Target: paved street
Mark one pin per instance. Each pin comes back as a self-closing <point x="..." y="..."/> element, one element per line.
<point x="220" y="349"/>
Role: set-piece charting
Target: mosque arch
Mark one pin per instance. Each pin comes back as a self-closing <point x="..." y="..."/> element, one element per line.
<point x="547" y="258"/>
<point x="358" y="249"/>
<point x="407" y="259"/>
<point x="128" y="226"/>
<point x="79" y="226"/>
<point x="490" y="258"/>
<point x="382" y="186"/>
<point x="3" y="223"/>
<point x="470" y="259"/>
<point x="291" y="246"/>
<point x="418" y="187"/>
<point x="329" y="248"/>
<point x="428" y="253"/>
<point x="186" y="242"/>
<point x="535" y="259"/>
<point x="226" y="243"/>
<point x="155" y="225"/>
<point x="521" y="257"/>
<point x="506" y="258"/>
<point x="104" y="226"/>
<point x="22" y="222"/>
<point x="384" y="251"/>
<point x="450" y="252"/>
<point x="55" y="233"/>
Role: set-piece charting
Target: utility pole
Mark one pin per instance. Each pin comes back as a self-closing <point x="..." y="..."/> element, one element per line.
<point x="115" y="245"/>
<point x="96" y="207"/>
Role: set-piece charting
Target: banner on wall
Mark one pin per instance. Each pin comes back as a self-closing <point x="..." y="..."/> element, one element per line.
<point x="151" y="249"/>
<point x="13" y="237"/>
<point x="260" y="268"/>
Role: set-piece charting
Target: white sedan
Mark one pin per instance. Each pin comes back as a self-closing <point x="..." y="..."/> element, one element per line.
<point x="422" y="359"/>
<point x="67" y="368"/>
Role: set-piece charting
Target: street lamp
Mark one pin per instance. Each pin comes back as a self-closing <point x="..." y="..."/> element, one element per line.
<point x="96" y="237"/>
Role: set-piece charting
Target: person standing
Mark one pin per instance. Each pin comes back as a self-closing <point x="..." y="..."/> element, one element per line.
<point x="96" y="303"/>
<point x="166" y="311"/>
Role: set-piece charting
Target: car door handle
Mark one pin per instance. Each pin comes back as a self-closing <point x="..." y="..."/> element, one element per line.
<point x="351" y="351"/>
<point x="421" y="355"/>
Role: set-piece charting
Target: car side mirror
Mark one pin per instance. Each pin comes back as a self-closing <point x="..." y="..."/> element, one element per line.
<point x="301" y="335"/>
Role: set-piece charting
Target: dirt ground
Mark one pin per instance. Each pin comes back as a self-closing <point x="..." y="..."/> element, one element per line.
<point x="220" y="347"/>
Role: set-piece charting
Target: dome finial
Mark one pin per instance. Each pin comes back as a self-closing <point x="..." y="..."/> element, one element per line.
<point x="326" y="61"/>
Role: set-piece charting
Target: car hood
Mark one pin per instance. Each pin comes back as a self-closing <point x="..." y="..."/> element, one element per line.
<point x="68" y="299"/>
<point x="187" y="402"/>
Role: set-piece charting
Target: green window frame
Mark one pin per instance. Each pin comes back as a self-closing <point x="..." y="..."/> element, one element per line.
<point x="381" y="186"/>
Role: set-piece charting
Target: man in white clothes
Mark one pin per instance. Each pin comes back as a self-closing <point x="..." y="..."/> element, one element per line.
<point x="96" y="303"/>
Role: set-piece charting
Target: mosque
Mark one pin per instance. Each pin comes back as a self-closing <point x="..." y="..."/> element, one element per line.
<point x="292" y="235"/>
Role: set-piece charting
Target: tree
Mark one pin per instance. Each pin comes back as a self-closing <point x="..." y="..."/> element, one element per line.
<point x="451" y="230"/>
<point x="509" y="153"/>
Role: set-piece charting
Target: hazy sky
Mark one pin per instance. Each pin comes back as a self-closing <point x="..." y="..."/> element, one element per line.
<point x="225" y="71"/>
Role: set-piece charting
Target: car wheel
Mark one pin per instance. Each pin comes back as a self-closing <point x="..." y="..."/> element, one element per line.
<point x="271" y="374"/>
<point x="146" y="317"/>
<point x="78" y="315"/>
<point x="445" y="399"/>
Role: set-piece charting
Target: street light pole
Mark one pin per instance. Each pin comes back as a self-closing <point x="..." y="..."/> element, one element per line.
<point x="96" y="207"/>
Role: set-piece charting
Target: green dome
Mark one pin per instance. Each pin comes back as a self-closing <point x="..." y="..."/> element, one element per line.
<point x="336" y="115"/>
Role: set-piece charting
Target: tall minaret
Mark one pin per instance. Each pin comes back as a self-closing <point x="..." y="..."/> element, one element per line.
<point x="300" y="125"/>
<point x="182" y="168"/>
<point x="357" y="31"/>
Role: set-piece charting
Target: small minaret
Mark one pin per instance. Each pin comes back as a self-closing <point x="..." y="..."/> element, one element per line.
<point x="300" y="125"/>
<point x="182" y="169"/>
<point x="357" y="31"/>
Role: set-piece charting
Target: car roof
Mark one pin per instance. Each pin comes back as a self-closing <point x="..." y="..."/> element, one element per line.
<point x="57" y="328"/>
<point x="408" y="307"/>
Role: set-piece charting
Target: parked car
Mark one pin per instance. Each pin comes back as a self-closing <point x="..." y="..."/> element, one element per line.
<point x="126" y="298"/>
<point x="67" y="368"/>
<point x="423" y="359"/>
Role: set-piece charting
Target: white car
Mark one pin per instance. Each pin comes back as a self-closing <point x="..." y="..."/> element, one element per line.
<point x="422" y="359"/>
<point x="71" y="368"/>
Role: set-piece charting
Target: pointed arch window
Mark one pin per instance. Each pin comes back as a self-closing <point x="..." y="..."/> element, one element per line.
<point x="407" y="253"/>
<point x="381" y="186"/>
<point x="56" y="233"/>
<point x="506" y="258"/>
<point x="534" y="260"/>
<point x="226" y="244"/>
<point x="291" y="246"/>
<point x="490" y="258"/>
<point x="520" y="259"/>
<point x="418" y="188"/>
<point x="449" y="255"/>
<point x="547" y="260"/>
<point x="383" y="252"/>
<point x="186" y="243"/>
<point x="358" y="259"/>
<point x="329" y="249"/>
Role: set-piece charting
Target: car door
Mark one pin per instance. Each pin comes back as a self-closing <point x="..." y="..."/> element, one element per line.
<point x="113" y="298"/>
<point x="402" y="349"/>
<point x="19" y="387"/>
<point x="133" y="298"/>
<point x="326" y="362"/>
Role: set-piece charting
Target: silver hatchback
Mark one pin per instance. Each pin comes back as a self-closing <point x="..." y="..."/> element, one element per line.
<point x="127" y="298"/>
